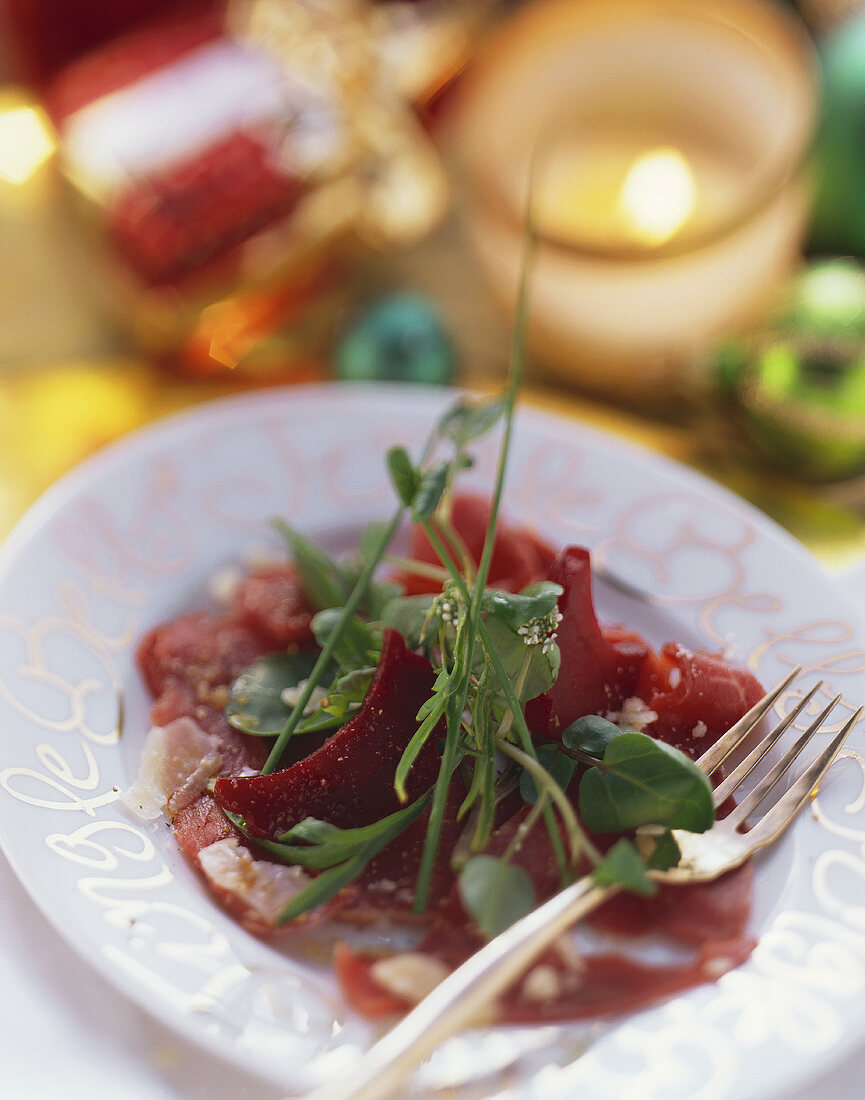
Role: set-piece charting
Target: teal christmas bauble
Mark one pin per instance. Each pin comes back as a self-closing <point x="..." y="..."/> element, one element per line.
<point x="838" y="218"/>
<point x="399" y="339"/>
<point x="795" y="388"/>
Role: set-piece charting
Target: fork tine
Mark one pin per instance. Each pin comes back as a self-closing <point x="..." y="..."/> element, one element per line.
<point x="784" y="811"/>
<point x="725" y="789"/>
<point x="718" y="753"/>
<point x="765" y="785"/>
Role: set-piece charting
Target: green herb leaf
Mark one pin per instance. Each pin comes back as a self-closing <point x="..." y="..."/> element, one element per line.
<point x="359" y="644"/>
<point x="560" y="767"/>
<point x="360" y="846"/>
<point x="328" y="583"/>
<point x="378" y="596"/>
<point x="645" y="782"/>
<point x="515" y="610"/>
<point x="467" y="421"/>
<point x="592" y="734"/>
<point x="322" y="578"/>
<point x="495" y="893"/>
<point x="256" y="705"/>
<point x="403" y="475"/>
<point x="543" y="667"/>
<point x="432" y="711"/>
<point x="410" y="615"/>
<point x="467" y="632"/>
<point x="370" y="540"/>
<point x="622" y="866"/>
<point x="347" y="692"/>
<point x="341" y="854"/>
<point x="666" y="854"/>
<point x="429" y="491"/>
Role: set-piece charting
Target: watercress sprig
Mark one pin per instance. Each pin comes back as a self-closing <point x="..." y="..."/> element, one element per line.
<point x="340" y="855"/>
<point x="458" y="698"/>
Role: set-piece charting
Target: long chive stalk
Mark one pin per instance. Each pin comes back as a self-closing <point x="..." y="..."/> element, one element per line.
<point x="449" y="756"/>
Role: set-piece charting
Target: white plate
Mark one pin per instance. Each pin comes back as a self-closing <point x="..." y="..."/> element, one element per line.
<point x="132" y="537"/>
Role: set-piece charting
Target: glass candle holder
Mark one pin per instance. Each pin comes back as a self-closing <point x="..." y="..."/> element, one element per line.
<point x="664" y="145"/>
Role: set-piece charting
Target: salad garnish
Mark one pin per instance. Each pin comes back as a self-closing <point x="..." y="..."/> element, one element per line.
<point x="491" y="652"/>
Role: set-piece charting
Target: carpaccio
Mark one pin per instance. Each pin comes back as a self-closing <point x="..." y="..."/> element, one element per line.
<point x="687" y="699"/>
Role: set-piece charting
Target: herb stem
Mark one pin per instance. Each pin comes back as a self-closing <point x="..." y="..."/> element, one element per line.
<point x="518" y="685"/>
<point x="458" y="700"/>
<point x="421" y="568"/>
<point x="525" y="737"/>
<point x="515" y="711"/>
<point x="577" y="839"/>
<point x="458" y="543"/>
<point x="525" y="826"/>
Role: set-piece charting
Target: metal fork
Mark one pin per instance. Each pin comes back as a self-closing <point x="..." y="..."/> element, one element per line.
<point x="460" y="1000"/>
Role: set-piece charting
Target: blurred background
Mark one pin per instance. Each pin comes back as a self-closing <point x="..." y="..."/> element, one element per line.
<point x="200" y="196"/>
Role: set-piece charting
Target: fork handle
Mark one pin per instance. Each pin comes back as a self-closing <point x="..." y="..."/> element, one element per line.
<point x="462" y="997"/>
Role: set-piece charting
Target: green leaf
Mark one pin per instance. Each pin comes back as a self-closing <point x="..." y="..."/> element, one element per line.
<point x="256" y="705"/>
<point x="495" y="893"/>
<point x="320" y="721"/>
<point x="328" y="583"/>
<point x="467" y="421"/>
<point x="429" y="492"/>
<point x="433" y="711"/>
<point x="543" y="667"/>
<point x="347" y="692"/>
<point x="314" y="832"/>
<point x="592" y="734"/>
<point x="560" y="767"/>
<point x="516" y="610"/>
<point x="362" y="844"/>
<point x="370" y="540"/>
<point x="666" y="854"/>
<point x="410" y="616"/>
<point x="323" y="579"/>
<point x="645" y="782"/>
<point x="622" y="866"/>
<point x="340" y="854"/>
<point x="403" y="475"/>
<point x="359" y="643"/>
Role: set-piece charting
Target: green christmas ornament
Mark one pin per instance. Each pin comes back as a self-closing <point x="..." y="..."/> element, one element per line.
<point x="400" y="339"/>
<point x="795" y="389"/>
<point x="838" y="219"/>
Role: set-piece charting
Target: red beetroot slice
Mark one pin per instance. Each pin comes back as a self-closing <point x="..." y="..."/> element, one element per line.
<point x="349" y="780"/>
<point x="696" y="696"/>
<point x="519" y="557"/>
<point x="597" y="673"/>
<point x="271" y="601"/>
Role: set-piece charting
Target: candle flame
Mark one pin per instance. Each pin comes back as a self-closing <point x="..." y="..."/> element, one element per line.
<point x="659" y="195"/>
<point x="25" y="143"/>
